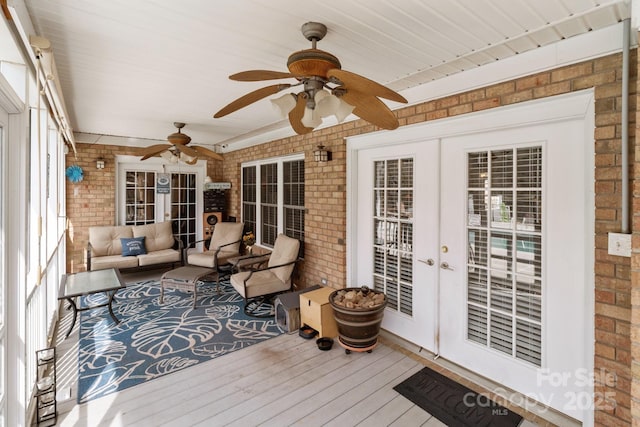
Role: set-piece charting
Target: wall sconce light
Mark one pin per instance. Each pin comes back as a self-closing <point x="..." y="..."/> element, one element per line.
<point x="321" y="155"/>
<point x="100" y="163"/>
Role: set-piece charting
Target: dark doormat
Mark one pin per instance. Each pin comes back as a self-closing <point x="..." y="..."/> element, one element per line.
<point x="453" y="403"/>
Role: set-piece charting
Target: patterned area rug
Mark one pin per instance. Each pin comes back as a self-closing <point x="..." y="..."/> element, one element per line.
<point x="153" y="340"/>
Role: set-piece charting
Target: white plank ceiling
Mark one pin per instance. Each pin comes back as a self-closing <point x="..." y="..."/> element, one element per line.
<point x="132" y="68"/>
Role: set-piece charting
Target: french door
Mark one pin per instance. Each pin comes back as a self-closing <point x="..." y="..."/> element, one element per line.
<point x="397" y="235"/>
<point x="153" y="192"/>
<point x="513" y="276"/>
<point x="491" y="267"/>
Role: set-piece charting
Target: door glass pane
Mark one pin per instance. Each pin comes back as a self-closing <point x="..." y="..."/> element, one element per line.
<point x="504" y="263"/>
<point x="393" y="232"/>
<point x="140" y="198"/>
<point x="183" y="207"/>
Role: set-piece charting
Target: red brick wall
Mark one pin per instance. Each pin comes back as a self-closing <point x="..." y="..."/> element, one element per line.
<point x="325" y="199"/>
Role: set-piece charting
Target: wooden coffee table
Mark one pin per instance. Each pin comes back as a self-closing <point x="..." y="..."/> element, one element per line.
<point x="186" y="278"/>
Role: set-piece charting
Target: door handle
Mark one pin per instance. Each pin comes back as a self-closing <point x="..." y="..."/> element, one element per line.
<point x="445" y="266"/>
<point x="427" y="261"/>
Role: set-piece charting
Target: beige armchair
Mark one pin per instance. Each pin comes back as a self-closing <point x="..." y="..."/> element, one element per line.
<point x="224" y="244"/>
<point x="259" y="286"/>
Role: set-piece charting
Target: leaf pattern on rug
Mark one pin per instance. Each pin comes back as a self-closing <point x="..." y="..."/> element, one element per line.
<point x="153" y="339"/>
<point x="108" y="380"/>
<point x="99" y="354"/>
<point x="249" y="329"/>
<point x="172" y="334"/>
<point x="219" y="348"/>
<point x="167" y="366"/>
<point x="224" y="311"/>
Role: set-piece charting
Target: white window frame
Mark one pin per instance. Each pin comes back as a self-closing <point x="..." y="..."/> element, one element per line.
<point x="280" y="197"/>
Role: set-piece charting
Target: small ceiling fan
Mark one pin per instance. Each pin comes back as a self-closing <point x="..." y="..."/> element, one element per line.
<point x="177" y="149"/>
<point x="328" y="90"/>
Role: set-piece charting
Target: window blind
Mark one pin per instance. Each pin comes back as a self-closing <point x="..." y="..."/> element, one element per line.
<point x="393" y="232"/>
<point x="504" y="263"/>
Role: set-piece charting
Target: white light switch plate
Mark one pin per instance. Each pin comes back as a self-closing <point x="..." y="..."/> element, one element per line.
<point x="620" y="244"/>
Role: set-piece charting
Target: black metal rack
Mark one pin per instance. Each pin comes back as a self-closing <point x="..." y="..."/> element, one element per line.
<point x="46" y="407"/>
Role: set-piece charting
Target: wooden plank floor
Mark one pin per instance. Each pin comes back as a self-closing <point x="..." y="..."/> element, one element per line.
<point x="284" y="381"/>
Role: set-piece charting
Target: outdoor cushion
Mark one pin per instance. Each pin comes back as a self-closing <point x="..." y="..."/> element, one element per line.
<point x="207" y="258"/>
<point x="113" y="261"/>
<point x="227" y="232"/>
<point x="285" y="250"/>
<point x="223" y="234"/>
<point x="133" y="246"/>
<point x="105" y="240"/>
<point x="158" y="236"/>
<point x="159" y="257"/>
<point x="261" y="283"/>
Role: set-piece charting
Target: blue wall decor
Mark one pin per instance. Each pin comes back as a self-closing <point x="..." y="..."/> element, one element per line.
<point x="74" y="173"/>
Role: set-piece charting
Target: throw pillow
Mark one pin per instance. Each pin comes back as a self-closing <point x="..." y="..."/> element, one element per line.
<point x="133" y="246"/>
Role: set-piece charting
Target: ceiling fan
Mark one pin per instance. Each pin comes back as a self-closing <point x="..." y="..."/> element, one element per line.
<point x="177" y="149"/>
<point x="328" y="90"/>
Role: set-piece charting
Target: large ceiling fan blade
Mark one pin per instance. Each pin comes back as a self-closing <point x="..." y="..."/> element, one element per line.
<point x="371" y="109"/>
<point x="295" y="116"/>
<point x="352" y="81"/>
<point x="207" y="153"/>
<point x="154" y="150"/>
<point x="186" y="150"/>
<point x="250" y="98"/>
<point x="258" y="75"/>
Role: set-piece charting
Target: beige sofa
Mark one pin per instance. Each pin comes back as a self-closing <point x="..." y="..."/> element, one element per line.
<point x="105" y="249"/>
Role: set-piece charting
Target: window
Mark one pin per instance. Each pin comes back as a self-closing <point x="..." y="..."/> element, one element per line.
<point x="140" y="198"/>
<point x="393" y="231"/>
<point x="269" y="202"/>
<point x="505" y="268"/>
<point x="294" y="199"/>
<point x="278" y="206"/>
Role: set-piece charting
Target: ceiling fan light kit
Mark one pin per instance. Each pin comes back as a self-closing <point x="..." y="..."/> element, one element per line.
<point x="169" y="156"/>
<point x="327" y="89"/>
<point x="284" y="104"/>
